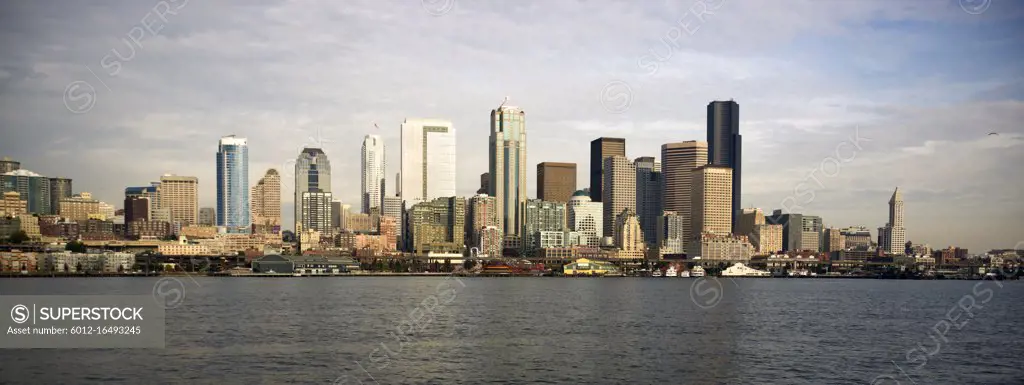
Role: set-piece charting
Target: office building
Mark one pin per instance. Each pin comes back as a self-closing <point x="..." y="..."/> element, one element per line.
<point x="485" y="183"/>
<point x="712" y="199"/>
<point x="232" y="184"/>
<point x="541" y="216"/>
<point x="372" y="165"/>
<point x="491" y="241"/>
<point x="393" y="209"/>
<point x="857" y="237"/>
<point x="79" y="207"/>
<point x="438" y="226"/>
<point x="60" y="188"/>
<point x="678" y="160"/>
<point x="586" y="217"/>
<point x="359" y="223"/>
<point x="892" y="237"/>
<point x="766" y="238"/>
<point x="749" y="218"/>
<point x="619" y="190"/>
<point x="312" y="174"/>
<point x="725" y="144"/>
<point x="207" y="216"/>
<point x="556" y="182"/>
<point x="428" y="160"/>
<point x="7" y="165"/>
<point x="670" y="236"/>
<point x="507" y="167"/>
<point x="629" y="237"/>
<point x="813" y="229"/>
<point x="600" y="150"/>
<point x="31" y="187"/>
<point x="266" y="204"/>
<point x="136" y="208"/>
<point x="648" y="196"/>
<point x="12" y="204"/>
<point x="180" y="195"/>
<point x="315" y="209"/>
<point x="107" y="211"/>
<point x="792" y="229"/>
<point x="722" y="247"/>
<point x="835" y="241"/>
<point x="482" y="213"/>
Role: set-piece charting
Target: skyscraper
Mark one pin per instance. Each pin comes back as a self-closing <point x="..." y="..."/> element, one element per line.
<point x="619" y="190"/>
<point x="670" y="237"/>
<point x="725" y="145"/>
<point x="629" y="238"/>
<point x="428" y="160"/>
<point x="393" y="209"/>
<point x="485" y="183"/>
<point x="438" y="225"/>
<point x="813" y="231"/>
<point x="648" y="196"/>
<point x="60" y="188"/>
<point x="792" y="229"/>
<point x="266" y="203"/>
<point x="7" y="165"/>
<point x="507" y="167"/>
<point x="233" y="184"/>
<point x="316" y="210"/>
<point x="482" y="213"/>
<point x="180" y="195"/>
<point x="586" y="217"/>
<point x="556" y="182"/>
<point x="601" y="149"/>
<point x="373" y="165"/>
<point x="893" y="236"/>
<point x="678" y="160"/>
<point x="748" y="219"/>
<point x="312" y="174"/>
<point x="31" y="187"/>
<point x="540" y="216"/>
<point x="712" y="200"/>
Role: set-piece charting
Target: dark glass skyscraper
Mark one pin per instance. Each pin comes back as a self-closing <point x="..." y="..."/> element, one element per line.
<point x="725" y="146"/>
<point x="601" y="149"/>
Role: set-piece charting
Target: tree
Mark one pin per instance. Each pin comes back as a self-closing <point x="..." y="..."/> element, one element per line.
<point x="75" y="247"/>
<point x="18" y="237"/>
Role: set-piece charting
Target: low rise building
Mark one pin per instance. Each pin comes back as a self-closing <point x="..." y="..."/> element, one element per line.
<point x="17" y="261"/>
<point x="722" y="247"/>
<point x="585" y="266"/>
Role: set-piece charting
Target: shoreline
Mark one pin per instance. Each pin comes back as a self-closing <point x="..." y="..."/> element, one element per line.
<point x="442" y="275"/>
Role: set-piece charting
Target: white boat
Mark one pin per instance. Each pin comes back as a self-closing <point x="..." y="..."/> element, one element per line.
<point x="697" y="272"/>
<point x="741" y="270"/>
<point x="671" y="271"/>
<point x="656" y="273"/>
<point x="684" y="274"/>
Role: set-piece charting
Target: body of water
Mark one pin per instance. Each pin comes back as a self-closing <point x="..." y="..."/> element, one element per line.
<point x="430" y="330"/>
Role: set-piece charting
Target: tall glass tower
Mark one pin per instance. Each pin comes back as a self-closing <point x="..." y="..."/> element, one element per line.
<point x="725" y="145"/>
<point x="507" y="167"/>
<point x="233" y="184"/>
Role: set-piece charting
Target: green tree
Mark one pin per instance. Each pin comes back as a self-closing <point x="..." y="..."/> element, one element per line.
<point x="18" y="237"/>
<point x="75" y="247"/>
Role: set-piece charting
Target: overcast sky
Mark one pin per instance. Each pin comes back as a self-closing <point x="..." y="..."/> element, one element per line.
<point x="116" y="93"/>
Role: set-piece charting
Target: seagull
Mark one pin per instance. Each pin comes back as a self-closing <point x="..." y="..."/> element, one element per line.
<point x="993" y="133"/>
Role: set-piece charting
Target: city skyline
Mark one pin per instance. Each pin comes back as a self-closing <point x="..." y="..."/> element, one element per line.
<point x="788" y="132"/>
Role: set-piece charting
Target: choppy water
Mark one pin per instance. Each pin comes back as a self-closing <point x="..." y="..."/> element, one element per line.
<point x="550" y="330"/>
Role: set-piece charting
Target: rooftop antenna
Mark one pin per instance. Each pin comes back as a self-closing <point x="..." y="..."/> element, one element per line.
<point x="503" y="103"/>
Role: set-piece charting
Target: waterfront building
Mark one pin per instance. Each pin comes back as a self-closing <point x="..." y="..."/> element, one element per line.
<point x="482" y="213"/>
<point x="232" y="184"/>
<point x="556" y="182"/>
<point x="428" y="160"/>
<point x="60" y="188"/>
<point x="767" y="238"/>
<point x="32" y="187"/>
<point x="619" y="190"/>
<point x="507" y="167"/>
<point x="583" y="266"/>
<point x="712" y="201"/>
<point x="79" y="207"/>
<point x="438" y="225"/>
<point x="725" y="145"/>
<point x="540" y="216"/>
<point x="649" y="192"/>
<point x="892" y="236"/>
<point x="491" y="241"/>
<point x="719" y="247"/>
<point x="180" y="195"/>
<point x="373" y="164"/>
<point x="600" y="150"/>
<point x="857" y="237"/>
<point x="586" y="217"/>
<point x="266" y="204"/>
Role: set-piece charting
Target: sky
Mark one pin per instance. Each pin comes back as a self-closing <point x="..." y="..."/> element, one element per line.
<point x="840" y="101"/>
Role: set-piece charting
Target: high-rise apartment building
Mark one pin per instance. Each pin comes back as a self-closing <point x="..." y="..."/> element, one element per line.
<point x="31" y="187"/>
<point x="586" y="217"/>
<point x="678" y="160"/>
<point x="373" y="166"/>
<point x="813" y="230"/>
<point x="491" y="241"/>
<point x="601" y="149"/>
<point x="649" y="185"/>
<point x="7" y="165"/>
<point x="12" y="205"/>
<point x="712" y="199"/>
<point x="266" y="204"/>
<point x="79" y="207"/>
<point x="725" y="144"/>
<point x="315" y="207"/>
<point x="541" y="216"/>
<point x="482" y="212"/>
<point x="60" y="188"/>
<point x="835" y="240"/>
<point x="670" y="237"/>
<point x="207" y="216"/>
<point x="438" y="225"/>
<point x="766" y="238"/>
<point x="893" y="236"/>
<point x="180" y="195"/>
<point x="428" y="160"/>
<point x="232" y="184"/>
<point x="507" y="167"/>
<point x="619" y="190"/>
<point x="556" y="182"/>
<point x="312" y="174"/>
